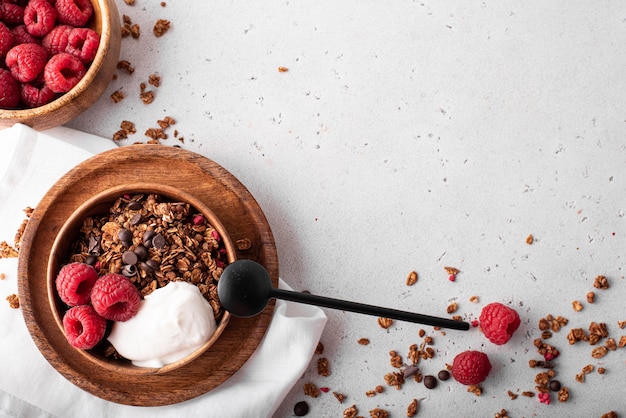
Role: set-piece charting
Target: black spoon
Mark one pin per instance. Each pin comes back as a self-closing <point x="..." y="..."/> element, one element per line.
<point x="245" y="288"/>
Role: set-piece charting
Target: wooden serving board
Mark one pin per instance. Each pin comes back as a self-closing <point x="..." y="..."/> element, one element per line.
<point x="192" y="173"/>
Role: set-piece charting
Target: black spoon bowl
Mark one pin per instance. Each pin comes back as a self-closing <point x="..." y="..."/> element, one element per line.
<point x="245" y="288"/>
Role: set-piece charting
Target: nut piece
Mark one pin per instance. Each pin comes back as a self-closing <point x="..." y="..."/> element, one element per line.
<point x="385" y="322"/>
<point x="411" y="410"/>
<point x="411" y="278"/>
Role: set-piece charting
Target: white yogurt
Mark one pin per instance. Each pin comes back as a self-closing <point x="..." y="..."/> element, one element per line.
<point x="172" y="322"/>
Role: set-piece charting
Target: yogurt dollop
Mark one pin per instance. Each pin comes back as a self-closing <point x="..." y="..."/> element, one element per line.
<point x="172" y="322"/>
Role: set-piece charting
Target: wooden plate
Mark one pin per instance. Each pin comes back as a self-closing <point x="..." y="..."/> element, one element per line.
<point x="192" y="173"/>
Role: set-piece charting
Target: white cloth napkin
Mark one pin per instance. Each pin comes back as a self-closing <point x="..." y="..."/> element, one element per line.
<point x="30" y="162"/>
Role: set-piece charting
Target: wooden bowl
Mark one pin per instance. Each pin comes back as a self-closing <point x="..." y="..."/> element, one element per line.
<point x="99" y="204"/>
<point x="105" y="21"/>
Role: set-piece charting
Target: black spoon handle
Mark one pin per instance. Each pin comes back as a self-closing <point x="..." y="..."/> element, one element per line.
<point x="367" y="309"/>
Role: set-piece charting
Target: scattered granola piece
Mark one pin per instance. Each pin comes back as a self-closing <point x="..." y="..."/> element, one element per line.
<point x="452" y="272"/>
<point x="577" y="306"/>
<point x="610" y="414"/>
<point x="599" y="352"/>
<point x="370" y="393"/>
<point x="161" y="27"/>
<point x="395" y="360"/>
<point x="474" y="299"/>
<point x="530" y="239"/>
<point x="411" y="278"/>
<point x="339" y="396"/>
<point x="395" y="379"/>
<point x="283" y="69"/>
<point x="363" y="341"/>
<point x="601" y="370"/>
<point x="125" y="65"/>
<point x="379" y="413"/>
<point x="7" y="251"/>
<point x="512" y="395"/>
<point x="117" y="96"/>
<point x="622" y="341"/>
<point x="319" y="349"/>
<point x="601" y="282"/>
<point x="129" y="2"/>
<point x="411" y="410"/>
<point x="311" y="390"/>
<point x="475" y="389"/>
<point x="621" y="324"/>
<point x="563" y="394"/>
<point x="3" y="276"/>
<point x="591" y="297"/>
<point x="154" y="80"/>
<point x="244" y="244"/>
<point x="323" y="367"/>
<point x="452" y="307"/>
<point x="147" y="96"/>
<point x="350" y="412"/>
<point x="528" y="394"/>
<point x="502" y="414"/>
<point x="14" y="301"/>
<point x="385" y="322"/>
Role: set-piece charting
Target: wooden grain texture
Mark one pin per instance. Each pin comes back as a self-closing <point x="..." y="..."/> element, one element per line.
<point x="192" y="173"/>
<point x="106" y="21"/>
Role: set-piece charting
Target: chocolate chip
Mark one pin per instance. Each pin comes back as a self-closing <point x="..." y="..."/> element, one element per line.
<point x="142" y="252"/>
<point x="129" y="257"/>
<point x="154" y="265"/>
<point x="135" y="219"/>
<point x="134" y="205"/>
<point x="410" y="370"/>
<point x="125" y="236"/>
<point x="147" y="238"/>
<point x="443" y="375"/>
<point x="301" y="409"/>
<point x="129" y="270"/>
<point x="158" y="241"/>
<point x="555" y="385"/>
<point x="94" y="245"/>
<point x="146" y="267"/>
<point x="430" y="381"/>
<point x="91" y="260"/>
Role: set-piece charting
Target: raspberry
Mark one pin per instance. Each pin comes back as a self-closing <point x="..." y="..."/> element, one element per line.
<point x="21" y="36"/>
<point x="9" y="90"/>
<point x="83" y="44"/>
<point x="62" y="72"/>
<point x="39" y="17"/>
<point x="7" y="39"/>
<point x="471" y="367"/>
<point x="74" y="283"/>
<point x="115" y="297"/>
<point x="33" y="96"/>
<point x="74" y="12"/>
<point x="13" y="14"/>
<point x="498" y="322"/>
<point x="56" y="40"/>
<point x="84" y="328"/>
<point x="26" y="61"/>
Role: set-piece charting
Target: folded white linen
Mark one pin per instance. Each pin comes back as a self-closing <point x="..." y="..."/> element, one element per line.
<point x="30" y="163"/>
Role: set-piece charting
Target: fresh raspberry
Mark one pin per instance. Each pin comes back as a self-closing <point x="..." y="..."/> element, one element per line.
<point x="471" y="367"/>
<point x="7" y="39"/>
<point x="74" y="12"/>
<point x="56" y="40"/>
<point x="33" y="96"/>
<point x="39" y="17"/>
<point x="84" y="328"/>
<point x="12" y="14"/>
<point x="83" y="43"/>
<point x="26" y="61"/>
<point x="9" y="90"/>
<point x="21" y="36"/>
<point x="498" y="322"/>
<point x="63" y="71"/>
<point x="115" y="297"/>
<point x="74" y="283"/>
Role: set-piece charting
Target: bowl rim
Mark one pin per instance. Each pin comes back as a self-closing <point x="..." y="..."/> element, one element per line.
<point x="110" y="195"/>
<point x="103" y="19"/>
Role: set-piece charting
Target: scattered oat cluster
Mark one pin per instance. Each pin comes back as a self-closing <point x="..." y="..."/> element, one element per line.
<point x="497" y="322"/>
<point x="147" y="88"/>
<point x="12" y="251"/>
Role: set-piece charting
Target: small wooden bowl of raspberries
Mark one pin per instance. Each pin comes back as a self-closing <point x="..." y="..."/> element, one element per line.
<point x="126" y="244"/>
<point x="55" y="60"/>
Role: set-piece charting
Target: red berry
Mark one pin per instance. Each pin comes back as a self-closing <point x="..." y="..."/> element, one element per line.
<point x="83" y="43"/>
<point x="471" y="367"/>
<point x="9" y="90"/>
<point x="63" y="71"/>
<point x="39" y="17"/>
<point x="74" y="283"/>
<point x="21" y="36"/>
<point x="56" y="40"/>
<point x="33" y="96"/>
<point x="74" y="12"/>
<point x="26" y="61"/>
<point x="13" y="14"/>
<point x="7" y="39"/>
<point x="84" y="328"/>
<point x="115" y="297"/>
<point x="498" y="322"/>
